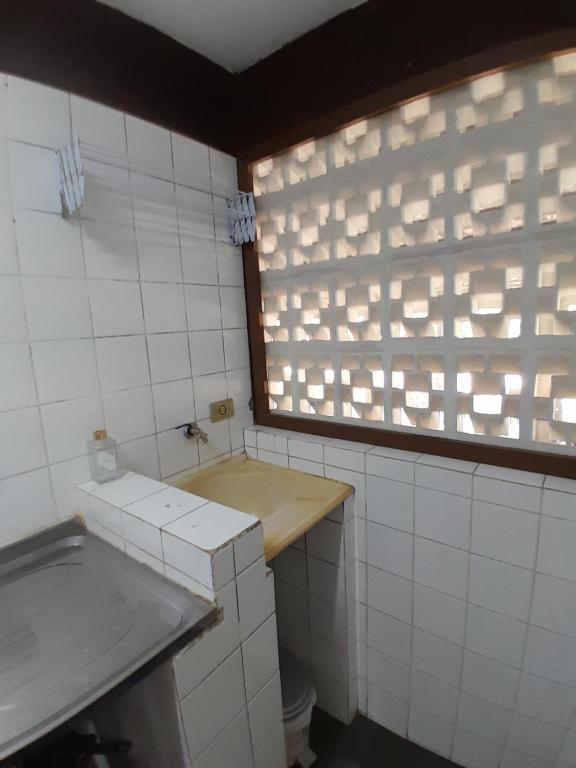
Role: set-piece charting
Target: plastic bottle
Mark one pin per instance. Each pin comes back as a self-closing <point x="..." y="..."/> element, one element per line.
<point x="103" y="457"/>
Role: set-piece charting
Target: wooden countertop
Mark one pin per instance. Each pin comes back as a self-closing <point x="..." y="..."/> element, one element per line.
<point x="288" y="502"/>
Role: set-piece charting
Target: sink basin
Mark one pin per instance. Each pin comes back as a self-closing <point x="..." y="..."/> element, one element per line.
<point x="287" y="502"/>
<point x="77" y="617"/>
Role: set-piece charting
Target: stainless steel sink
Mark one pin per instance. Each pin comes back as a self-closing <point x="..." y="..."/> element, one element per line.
<point x="77" y="617"/>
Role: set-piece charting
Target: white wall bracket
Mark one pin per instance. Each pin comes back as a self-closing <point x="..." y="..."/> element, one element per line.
<point x="242" y="216"/>
<point x="72" y="178"/>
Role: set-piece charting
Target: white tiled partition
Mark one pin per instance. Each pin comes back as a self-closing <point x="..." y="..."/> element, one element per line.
<point x="227" y="680"/>
<point x="315" y="582"/>
<point x="129" y="317"/>
<point x="466" y="591"/>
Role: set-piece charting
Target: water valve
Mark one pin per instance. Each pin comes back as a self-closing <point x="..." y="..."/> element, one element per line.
<point x="192" y="430"/>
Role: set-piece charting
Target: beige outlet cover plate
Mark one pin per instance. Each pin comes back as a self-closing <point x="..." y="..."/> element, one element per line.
<point x="221" y="409"/>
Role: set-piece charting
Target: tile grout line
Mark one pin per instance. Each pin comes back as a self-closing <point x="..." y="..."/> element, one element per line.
<point x="465" y="627"/>
<point x="412" y="606"/>
<point x="528" y="624"/>
<point x="133" y="227"/>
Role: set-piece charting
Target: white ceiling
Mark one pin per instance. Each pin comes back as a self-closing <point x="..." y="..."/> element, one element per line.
<point x="233" y="33"/>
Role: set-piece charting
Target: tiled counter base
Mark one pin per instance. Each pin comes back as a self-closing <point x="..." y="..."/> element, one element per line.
<point x="318" y="600"/>
<point x="227" y="682"/>
<point x="316" y="609"/>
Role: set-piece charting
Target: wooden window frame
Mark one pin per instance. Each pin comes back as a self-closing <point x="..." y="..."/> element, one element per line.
<point x="506" y="57"/>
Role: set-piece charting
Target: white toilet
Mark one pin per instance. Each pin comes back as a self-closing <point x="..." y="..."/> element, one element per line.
<point x="298" y="699"/>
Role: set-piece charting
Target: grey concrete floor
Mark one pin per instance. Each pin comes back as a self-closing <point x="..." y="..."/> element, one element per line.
<point x="365" y="744"/>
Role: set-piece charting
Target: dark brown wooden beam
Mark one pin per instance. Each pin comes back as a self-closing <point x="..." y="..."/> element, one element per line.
<point x="253" y="297"/>
<point x="514" y="458"/>
<point x="94" y="51"/>
<point x="356" y="64"/>
<point x="379" y="54"/>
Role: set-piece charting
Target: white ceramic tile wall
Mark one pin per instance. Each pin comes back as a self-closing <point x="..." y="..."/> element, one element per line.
<point x="466" y="637"/>
<point x="129" y="317"/>
<point x="227" y="680"/>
